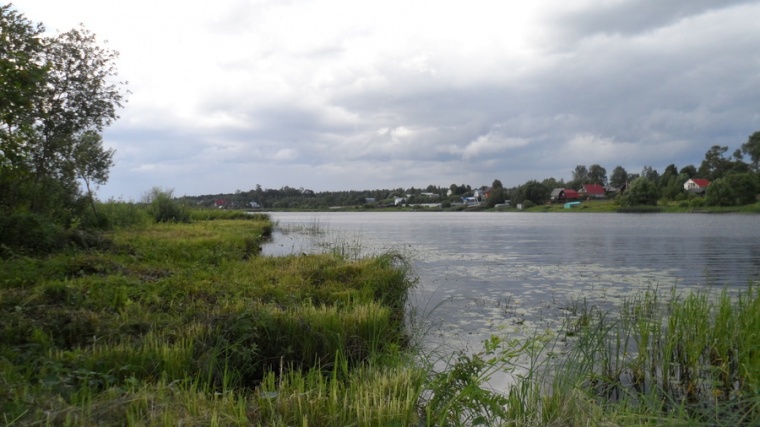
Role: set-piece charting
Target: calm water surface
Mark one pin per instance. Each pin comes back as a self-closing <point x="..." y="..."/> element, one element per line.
<point x="494" y="272"/>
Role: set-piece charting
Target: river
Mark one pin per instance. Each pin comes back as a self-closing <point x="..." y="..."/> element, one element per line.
<point x="512" y="272"/>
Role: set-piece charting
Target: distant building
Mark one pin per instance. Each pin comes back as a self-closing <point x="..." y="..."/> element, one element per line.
<point x="563" y="195"/>
<point x="696" y="185"/>
<point x="595" y="191"/>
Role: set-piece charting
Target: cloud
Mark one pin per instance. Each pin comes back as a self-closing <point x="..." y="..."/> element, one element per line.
<point x="348" y="95"/>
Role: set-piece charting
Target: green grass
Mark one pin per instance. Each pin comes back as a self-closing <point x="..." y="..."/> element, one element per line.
<point x="185" y="323"/>
<point x="666" y="359"/>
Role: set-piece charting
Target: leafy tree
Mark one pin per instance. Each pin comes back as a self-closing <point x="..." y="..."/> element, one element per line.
<point x="689" y="170"/>
<point x="497" y="184"/>
<point x="597" y="175"/>
<point x="641" y="191"/>
<point x="716" y="165"/>
<point x="673" y="189"/>
<point x="752" y="149"/>
<point x="650" y="173"/>
<point x="532" y="190"/>
<point x="746" y="187"/>
<point x="54" y="91"/>
<point x="553" y="183"/>
<point x="22" y="74"/>
<point x="670" y="171"/>
<point x="619" y="177"/>
<point x="720" y="193"/>
<point x="92" y="162"/>
<point x="733" y="189"/>
<point x="580" y="175"/>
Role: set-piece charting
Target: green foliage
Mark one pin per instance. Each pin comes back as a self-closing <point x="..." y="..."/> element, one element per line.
<point x="752" y="148"/>
<point x="460" y="395"/>
<point x="534" y="191"/>
<point x="57" y="94"/>
<point x="115" y="214"/>
<point x="30" y="232"/>
<point x="619" y="177"/>
<point x="733" y="190"/>
<point x="496" y="196"/>
<point x="164" y="207"/>
<point x="641" y="191"/>
<point x="188" y="315"/>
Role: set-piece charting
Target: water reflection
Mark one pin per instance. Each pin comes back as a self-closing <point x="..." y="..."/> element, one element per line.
<point x="515" y="272"/>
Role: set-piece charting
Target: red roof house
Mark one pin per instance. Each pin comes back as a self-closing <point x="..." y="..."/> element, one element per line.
<point x="696" y="185"/>
<point x="563" y="194"/>
<point x="592" y="190"/>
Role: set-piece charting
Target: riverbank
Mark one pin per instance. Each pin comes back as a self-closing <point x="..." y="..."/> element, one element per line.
<point x="169" y="324"/>
<point x="596" y="206"/>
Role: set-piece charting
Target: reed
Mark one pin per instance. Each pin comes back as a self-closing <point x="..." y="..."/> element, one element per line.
<point x="688" y="359"/>
<point x="182" y="323"/>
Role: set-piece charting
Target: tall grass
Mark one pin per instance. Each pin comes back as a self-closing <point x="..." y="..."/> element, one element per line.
<point x="666" y="359"/>
<point x="184" y="323"/>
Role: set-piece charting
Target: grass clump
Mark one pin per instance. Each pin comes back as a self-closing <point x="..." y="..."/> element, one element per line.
<point x="666" y="359"/>
<point x="184" y="323"/>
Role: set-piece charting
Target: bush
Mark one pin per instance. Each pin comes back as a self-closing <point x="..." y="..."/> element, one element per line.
<point x="733" y="190"/>
<point x="697" y="202"/>
<point x="114" y="214"/>
<point x="641" y="191"/>
<point x="30" y="232"/>
<point x="164" y="208"/>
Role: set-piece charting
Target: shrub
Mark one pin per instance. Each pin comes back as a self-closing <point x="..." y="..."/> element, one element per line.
<point x="114" y="214"/>
<point x="641" y="191"/>
<point x="165" y="208"/>
<point x="30" y="232"/>
<point x="697" y="202"/>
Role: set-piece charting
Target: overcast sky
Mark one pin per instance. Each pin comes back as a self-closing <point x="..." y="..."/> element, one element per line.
<point x="365" y="94"/>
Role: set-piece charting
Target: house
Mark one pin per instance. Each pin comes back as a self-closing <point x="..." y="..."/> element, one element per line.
<point x="595" y="191"/>
<point x="696" y="185"/>
<point x="255" y="205"/>
<point x="399" y="201"/>
<point x="482" y="193"/>
<point x="563" y="194"/>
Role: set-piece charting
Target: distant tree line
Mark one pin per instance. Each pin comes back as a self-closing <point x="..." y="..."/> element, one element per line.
<point x="733" y="182"/>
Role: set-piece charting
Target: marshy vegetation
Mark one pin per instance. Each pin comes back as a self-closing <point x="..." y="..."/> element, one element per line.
<point x="183" y="322"/>
<point x="665" y="359"/>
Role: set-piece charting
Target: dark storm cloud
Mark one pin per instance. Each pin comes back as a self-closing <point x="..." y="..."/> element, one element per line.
<point x="632" y="17"/>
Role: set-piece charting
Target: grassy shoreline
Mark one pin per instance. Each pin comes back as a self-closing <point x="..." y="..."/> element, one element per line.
<point x="188" y="317"/>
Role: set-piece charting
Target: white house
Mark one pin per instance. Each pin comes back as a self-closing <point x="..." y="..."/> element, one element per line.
<point x="696" y="185"/>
